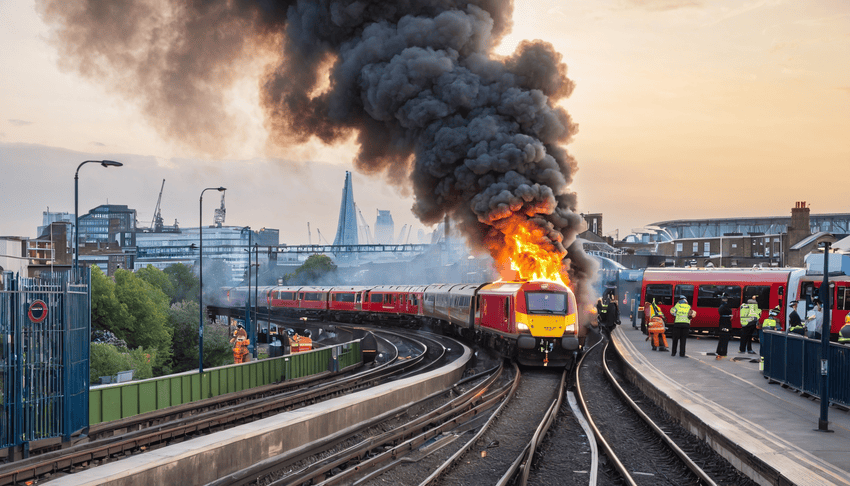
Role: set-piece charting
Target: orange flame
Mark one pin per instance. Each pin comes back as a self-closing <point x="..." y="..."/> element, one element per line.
<point x="524" y="254"/>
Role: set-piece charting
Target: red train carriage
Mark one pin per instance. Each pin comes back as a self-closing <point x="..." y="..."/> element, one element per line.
<point x="808" y="288"/>
<point x="703" y="289"/>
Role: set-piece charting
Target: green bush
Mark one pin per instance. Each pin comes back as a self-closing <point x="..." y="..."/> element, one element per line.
<point x="108" y="360"/>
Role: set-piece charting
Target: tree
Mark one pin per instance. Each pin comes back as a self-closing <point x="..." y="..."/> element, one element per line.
<point x="158" y="279"/>
<point x="314" y="270"/>
<point x="107" y="312"/>
<point x="147" y="324"/>
<point x="185" y="282"/>
<point x="183" y="317"/>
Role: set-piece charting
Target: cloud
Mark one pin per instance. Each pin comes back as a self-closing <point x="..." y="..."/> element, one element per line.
<point x="19" y="123"/>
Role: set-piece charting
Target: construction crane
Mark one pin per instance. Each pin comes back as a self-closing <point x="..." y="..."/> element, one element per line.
<point x="321" y="237"/>
<point x="363" y="228"/>
<point x="309" y="234"/>
<point x="156" y="222"/>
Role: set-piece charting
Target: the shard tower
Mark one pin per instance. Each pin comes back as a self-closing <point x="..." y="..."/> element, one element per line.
<point x="346" y="230"/>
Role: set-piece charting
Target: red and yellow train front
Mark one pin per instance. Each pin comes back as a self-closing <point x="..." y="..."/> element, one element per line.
<point x="539" y="316"/>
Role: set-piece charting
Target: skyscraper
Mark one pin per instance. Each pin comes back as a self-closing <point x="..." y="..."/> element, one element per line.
<point x="346" y="229"/>
<point x="384" y="228"/>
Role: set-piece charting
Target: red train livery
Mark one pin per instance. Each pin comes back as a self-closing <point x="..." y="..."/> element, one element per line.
<point x="703" y="287"/>
<point x="535" y="323"/>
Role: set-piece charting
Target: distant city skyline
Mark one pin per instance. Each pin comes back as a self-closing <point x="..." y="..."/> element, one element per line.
<point x="686" y="110"/>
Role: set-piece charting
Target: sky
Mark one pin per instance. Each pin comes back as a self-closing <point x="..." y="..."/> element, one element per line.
<point x="686" y="109"/>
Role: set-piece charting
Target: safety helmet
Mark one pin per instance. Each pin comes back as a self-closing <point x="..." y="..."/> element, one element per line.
<point x="307" y="333"/>
<point x="240" y="326"/>
<point x="290" y="332"/>
<point x="683" y="299"/>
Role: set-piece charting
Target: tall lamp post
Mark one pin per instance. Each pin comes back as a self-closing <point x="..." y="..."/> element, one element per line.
<point x="201" y="277"/>
<point x="825" y="330"/>
<point x="105" y="163"/>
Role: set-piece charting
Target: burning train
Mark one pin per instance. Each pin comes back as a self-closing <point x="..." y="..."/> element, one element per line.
<point x="534" y="322"/>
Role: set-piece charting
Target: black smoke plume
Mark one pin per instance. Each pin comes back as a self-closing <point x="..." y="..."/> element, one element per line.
<point x="478" y="136"/>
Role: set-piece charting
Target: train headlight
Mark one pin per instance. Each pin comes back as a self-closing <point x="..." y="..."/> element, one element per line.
<point x="522" y="327"/>
<point x="571" y="328"/>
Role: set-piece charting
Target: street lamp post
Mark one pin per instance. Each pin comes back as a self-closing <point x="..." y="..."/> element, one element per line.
<point x="825" y="330"/>
<point x="105" y="163"/>
<point x="201" y="277"/>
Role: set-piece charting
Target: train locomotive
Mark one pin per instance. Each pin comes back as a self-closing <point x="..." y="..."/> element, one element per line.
<point x="533" y="322"/>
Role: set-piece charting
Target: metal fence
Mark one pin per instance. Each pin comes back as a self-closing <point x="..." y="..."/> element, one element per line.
<point x="796" y="361"/>
<point x="44" y="365"/>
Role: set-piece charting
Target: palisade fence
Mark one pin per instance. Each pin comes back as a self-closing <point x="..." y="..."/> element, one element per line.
<point x="795" y="361"/>
<point x="44" y="357"/>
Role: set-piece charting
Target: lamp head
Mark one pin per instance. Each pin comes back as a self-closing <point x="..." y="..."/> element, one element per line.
<point x="110" y="163"/>
<point x="221" y="189"/>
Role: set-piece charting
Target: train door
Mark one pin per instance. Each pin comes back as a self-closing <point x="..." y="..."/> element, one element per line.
<point x="761" y="294"/>
<point x="496" y="310"/>
<point x="842" y="305"/>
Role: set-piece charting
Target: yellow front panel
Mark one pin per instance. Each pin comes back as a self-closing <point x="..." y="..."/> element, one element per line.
<point x="545" y="325"/>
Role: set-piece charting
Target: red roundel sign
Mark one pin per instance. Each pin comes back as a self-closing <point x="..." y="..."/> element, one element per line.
<point x="37" y="311"/>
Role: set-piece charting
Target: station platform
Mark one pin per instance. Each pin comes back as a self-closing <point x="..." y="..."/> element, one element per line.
<point x="765" y="430"/>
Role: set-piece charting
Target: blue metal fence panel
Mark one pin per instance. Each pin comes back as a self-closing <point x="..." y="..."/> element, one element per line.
<point x="45" y="324"/>
<point x="839" y="374"/>
<point x="796" y="361"/>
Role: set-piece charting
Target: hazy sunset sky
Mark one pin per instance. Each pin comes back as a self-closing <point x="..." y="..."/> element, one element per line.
<point x="686" y="109"/>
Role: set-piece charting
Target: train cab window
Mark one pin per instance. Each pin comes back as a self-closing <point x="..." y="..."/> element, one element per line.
<point x="762" y="293"/>
<point x="546" y="302"/>
<point x="709" y="295"/>
<point x="507" y="307"/>
<point x="687" y="291"/>
<point x="661" y="294"/>
<point x="376" y="298"/>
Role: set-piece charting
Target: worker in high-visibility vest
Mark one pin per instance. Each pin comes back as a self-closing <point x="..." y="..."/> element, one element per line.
<point x="682" y="314"/>
<point x="770" y="322"/>
<point x="240" y="344"/>
<point x="750" y="315"/>
<point x="656" y="328"/>
<point x="844" y="333"/>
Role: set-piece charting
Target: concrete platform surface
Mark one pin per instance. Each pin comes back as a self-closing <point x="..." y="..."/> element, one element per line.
<point x="774" y="426"/>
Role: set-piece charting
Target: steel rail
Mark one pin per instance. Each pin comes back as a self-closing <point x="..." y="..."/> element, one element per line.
<point x="683" y="456"/>
<point x="522" y="464"/>
<point x="463" y="450"/>
<point x="627" y="478"/>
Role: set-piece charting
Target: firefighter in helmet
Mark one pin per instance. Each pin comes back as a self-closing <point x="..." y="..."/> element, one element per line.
<point x="240" y="344"/>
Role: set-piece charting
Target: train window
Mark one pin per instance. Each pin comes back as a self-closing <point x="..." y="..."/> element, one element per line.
<point x="687" y="291"/>
<point x="842" y="298"/>
<point x="762" y="294"/>
<point x="388" y="298"/>
<point x="546" y="302"/>
<point x="376" y="298"/>
<point x="709" y="295"/>
<point x="286" y="295"/>
<point x="507" y="307"/>
<point x="347" y="297"/>
<point x="659" y="293"/>
<point x="312" y="296"/>
<point x="357" y="298"/>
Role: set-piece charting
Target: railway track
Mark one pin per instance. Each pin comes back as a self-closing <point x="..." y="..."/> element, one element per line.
<point x="189" y="425"/>
<point x="639" y="449"/>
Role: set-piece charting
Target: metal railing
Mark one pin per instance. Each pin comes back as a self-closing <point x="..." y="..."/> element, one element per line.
<point x="795" y="361"/>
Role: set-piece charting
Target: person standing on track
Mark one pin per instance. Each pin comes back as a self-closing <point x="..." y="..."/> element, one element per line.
<point x="683" y="314"/>
<point x="240" y="344"/>
<point x="724" y="327"/>
<point x="750" y="314"/>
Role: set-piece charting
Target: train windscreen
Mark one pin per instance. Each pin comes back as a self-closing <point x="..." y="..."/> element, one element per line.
<point x="546" y="302"/>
